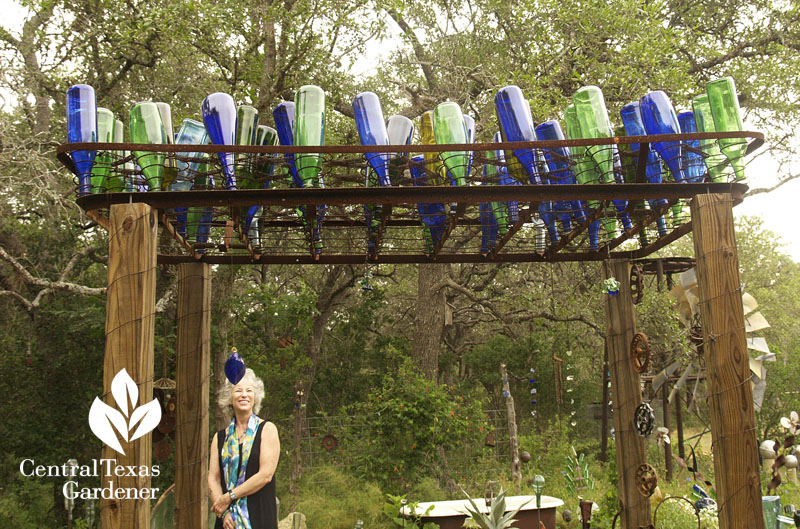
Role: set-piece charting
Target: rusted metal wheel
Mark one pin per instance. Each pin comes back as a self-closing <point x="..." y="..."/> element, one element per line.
<point x="646" y="480"/>
<point x="640" y="352"/>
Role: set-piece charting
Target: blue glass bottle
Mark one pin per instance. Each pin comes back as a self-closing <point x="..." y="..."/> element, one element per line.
<point x="432" y="215"/>
<point x="219" y="117"/>
<point x="632" y="121"/>
<point x="560" y="172"/>
<point x="658" y="117"/>
<point x="516" y="124"/>
<point x="82" y="128"/>
<point x="283" y="113"/>
<point x="372" y="131"/>
<point x="694" y="168"/>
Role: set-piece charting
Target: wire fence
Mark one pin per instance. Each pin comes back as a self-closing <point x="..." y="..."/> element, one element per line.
<point x="333" y="439"/>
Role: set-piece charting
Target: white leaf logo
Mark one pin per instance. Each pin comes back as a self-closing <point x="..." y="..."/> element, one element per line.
<point x="102" y="416"/>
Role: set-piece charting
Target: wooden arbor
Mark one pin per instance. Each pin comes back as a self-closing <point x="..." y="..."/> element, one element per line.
<point x="285" y="234"/>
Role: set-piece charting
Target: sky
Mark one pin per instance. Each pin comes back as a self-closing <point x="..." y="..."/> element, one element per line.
<point x="777" y="209"/>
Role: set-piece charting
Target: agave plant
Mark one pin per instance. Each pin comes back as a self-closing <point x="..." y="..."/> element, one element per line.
<point x="497" y="518"/>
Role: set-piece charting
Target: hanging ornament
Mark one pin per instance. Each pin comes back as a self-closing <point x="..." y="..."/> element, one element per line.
<point x="611" y="286"/>
<point x="534" y="391"/>
<point x="234" y="367"/>
<point x="644" y="419"/>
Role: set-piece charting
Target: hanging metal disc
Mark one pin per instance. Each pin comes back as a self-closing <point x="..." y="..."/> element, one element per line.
<point x="646" y="480"/>
<point x="644" y="419"/>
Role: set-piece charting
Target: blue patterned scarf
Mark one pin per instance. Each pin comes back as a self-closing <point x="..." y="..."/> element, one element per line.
<point x="230" y="462"/>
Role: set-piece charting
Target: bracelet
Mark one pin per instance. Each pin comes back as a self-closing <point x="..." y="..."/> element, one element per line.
<point x="232" y="494"/>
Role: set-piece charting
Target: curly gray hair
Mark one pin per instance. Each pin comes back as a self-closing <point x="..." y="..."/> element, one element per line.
<point x="224" y="399"/>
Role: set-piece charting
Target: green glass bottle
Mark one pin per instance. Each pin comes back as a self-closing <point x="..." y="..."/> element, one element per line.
<point x="590" y="108"/>
<point x="170" y="163"/>
<point x="728" y="118"/>
<point x="246" y="129"/>
<point x="500" y="209"/>
<point x="115" y="182"/>
<point x="102" y="163"/>
<point x="309" y="130"/>
<point x="713" y="158"/>
<point x="448" y="128"/>
<point x="146" y="126"/>
<point x="433" y="164"/>
<point x="586" y="172"/>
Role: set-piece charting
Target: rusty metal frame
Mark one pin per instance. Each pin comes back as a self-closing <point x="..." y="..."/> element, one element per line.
<point x="405" y="195"/>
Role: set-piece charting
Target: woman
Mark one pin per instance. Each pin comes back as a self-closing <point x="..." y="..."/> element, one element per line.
<point x="243" y="459"/>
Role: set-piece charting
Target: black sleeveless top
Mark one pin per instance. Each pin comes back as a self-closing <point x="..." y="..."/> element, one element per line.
<point x="261" y="505"/>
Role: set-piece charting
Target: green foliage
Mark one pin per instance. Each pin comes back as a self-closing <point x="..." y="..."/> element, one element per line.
<point x="497" y="518"/>
<point x="406" y="421"/>
<point x="335" y="499"/>
<point x="25" y="503"/>
<point x="392" y="509"/>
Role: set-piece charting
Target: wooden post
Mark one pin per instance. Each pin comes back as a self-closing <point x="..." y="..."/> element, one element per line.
<point x="130" y="326"/>
<point x="679" y="424"/>
<point x="516" y="471"/>
<point x="604" y="408"/>
<point x="626" y="395"/>
<point x="727" y="364"/>
<point x="192" y="393"/>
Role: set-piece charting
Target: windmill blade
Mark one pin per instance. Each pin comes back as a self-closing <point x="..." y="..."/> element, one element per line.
<point x="689" y="285"/>
<point x="749" y="303"/>
<point x="759" y="388"/>
<point x="755" y="322"/>
<point x="682" y="304"/>
<point x="758" y="344"/>
<point x="662" y="377"/>
<point x="681" y="381"/>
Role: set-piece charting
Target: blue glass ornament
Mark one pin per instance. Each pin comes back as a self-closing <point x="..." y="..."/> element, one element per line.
<point x="658" y="117"/>
<point x="219" y="117"/>
<point x="632" y="121"/>
<point x="558" y="162"/>
<point x="234" y="367"/>
<point x="372" y="131"/>
<point x="283" y="113"/>
<point x="82" y="128"/>
<point x="694" y="168"/>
